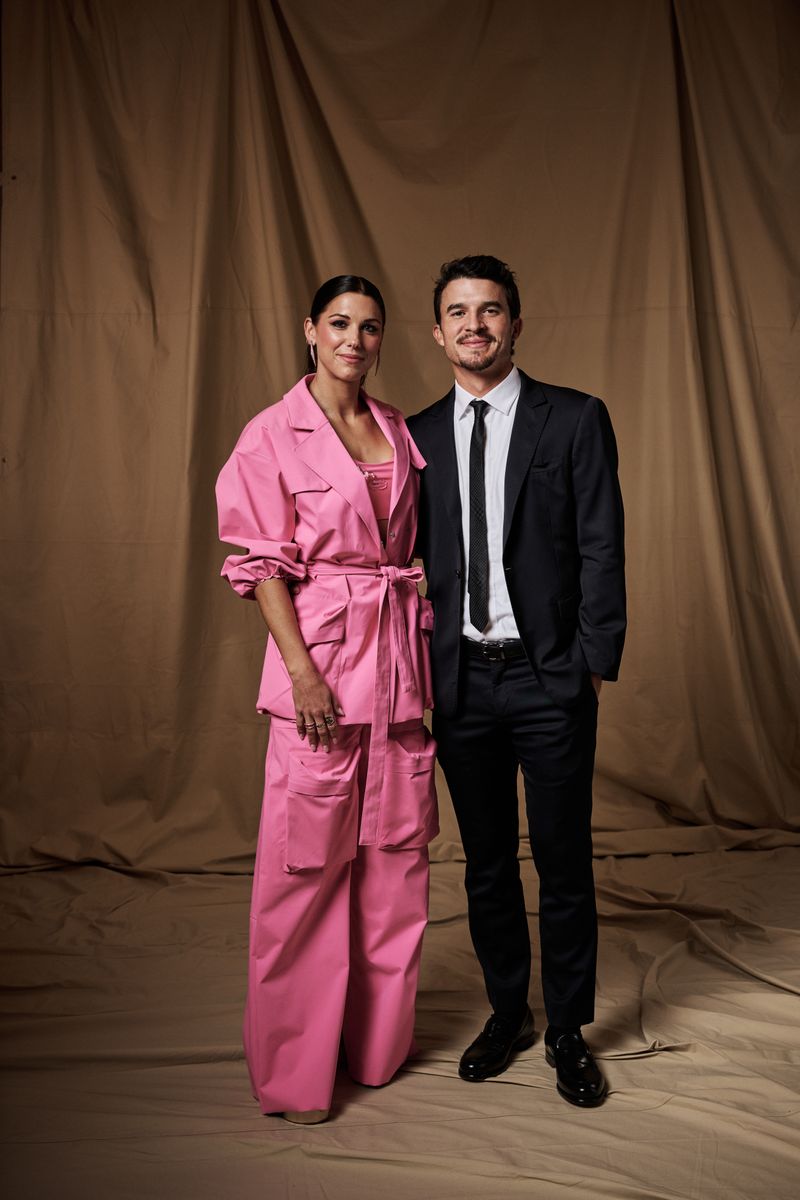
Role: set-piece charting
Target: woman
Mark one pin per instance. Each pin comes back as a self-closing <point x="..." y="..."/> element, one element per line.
<point x="322" y="491"/>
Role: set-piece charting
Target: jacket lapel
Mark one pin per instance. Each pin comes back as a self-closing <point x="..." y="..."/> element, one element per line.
<point x="532" y="412"/>
<point x="387" y="424"/>
<point x="443" y="462"/>
<point x="327" y="456"/>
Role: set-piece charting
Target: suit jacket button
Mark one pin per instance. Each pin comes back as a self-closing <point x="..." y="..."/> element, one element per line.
<point x="458" y="572"/>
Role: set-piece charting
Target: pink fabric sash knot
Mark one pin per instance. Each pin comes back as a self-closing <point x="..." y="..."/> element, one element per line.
<point x="391" y="578"/>
<point x="392" y="630"/>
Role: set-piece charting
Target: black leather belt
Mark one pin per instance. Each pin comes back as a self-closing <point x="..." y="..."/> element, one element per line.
<point x="494" y="651"/>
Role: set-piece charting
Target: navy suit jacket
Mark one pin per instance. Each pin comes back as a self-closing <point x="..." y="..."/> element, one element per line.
<point x="563" y="540"/>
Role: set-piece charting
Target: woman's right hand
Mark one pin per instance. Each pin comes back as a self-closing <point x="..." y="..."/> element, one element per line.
<point x="315" y="710"/>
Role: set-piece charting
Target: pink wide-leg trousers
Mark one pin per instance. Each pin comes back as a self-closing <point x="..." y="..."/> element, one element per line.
<point x="336" y="927"/>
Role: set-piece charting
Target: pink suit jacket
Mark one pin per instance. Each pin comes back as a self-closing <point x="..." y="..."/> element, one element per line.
<point x="294" y="498"/>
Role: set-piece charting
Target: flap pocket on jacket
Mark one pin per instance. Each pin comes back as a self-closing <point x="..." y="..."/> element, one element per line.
<point x="409" y="817"/>
<point x="321" y="613"/>
<point x="321" y="809"/>
<point x="306" y="481"/>
<point x="318" y="629"/>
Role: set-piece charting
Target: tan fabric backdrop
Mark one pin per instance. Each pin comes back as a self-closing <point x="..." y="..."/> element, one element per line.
<point x="179" y="176"/>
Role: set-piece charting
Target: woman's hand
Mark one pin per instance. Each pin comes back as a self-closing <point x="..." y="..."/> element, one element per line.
<point x="315" y="710"/>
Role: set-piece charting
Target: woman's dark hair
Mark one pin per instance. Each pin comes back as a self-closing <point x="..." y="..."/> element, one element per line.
<point x="339" y="286"/>
<point x="477" y="266"/>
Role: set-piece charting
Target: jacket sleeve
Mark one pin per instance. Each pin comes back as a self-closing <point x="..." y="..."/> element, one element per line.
<point x="256" y="511"/>
<point x="600" y="529"/>
<point x="414" y="452"/>
<point x="418" y="462"/>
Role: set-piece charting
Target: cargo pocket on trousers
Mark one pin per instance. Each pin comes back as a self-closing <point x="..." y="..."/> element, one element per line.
<point x="321" y="810"/>
<point x="409" y="817"/>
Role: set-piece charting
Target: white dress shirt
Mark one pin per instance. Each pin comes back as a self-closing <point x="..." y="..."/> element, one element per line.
<point x="502" y="402"/>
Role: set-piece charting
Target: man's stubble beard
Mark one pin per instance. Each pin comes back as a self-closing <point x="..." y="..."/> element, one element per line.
<point x="480" y="364"/>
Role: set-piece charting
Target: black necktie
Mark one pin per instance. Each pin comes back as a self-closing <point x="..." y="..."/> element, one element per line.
<point x="478" y="583"/>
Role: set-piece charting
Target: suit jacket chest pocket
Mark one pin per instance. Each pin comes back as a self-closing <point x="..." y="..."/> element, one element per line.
<point x="547" y="474"/>
<point x="548" y="496"/>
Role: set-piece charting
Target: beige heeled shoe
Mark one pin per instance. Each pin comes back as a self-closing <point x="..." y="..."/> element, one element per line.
<point x="313" y="1116"/>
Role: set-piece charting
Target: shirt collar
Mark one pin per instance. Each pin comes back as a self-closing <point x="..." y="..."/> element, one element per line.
<point x="503" y="396"/>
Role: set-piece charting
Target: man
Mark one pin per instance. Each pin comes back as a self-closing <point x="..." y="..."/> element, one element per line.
<point x="521" y="534"/>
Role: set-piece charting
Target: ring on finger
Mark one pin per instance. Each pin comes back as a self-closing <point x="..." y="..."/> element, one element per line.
<point x="307" y="726"/>
<point x="329" y="720"/>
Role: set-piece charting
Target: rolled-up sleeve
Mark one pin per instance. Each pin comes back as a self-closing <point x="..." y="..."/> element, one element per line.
<point x="256" y="511"/>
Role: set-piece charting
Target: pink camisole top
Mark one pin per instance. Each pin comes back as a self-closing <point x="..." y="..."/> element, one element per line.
<point x="379" y="485"/>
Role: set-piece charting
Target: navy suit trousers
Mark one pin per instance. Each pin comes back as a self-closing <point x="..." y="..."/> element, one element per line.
<point x="506" y="721"/>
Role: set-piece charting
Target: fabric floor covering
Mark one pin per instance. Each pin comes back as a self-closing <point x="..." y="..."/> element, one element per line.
<point x="125" y="1076"/>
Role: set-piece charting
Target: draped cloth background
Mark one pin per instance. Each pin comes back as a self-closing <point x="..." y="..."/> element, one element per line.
<point x="178" y="178"/>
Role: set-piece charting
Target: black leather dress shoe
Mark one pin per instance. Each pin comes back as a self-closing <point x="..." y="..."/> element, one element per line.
<point x="491" y="1051"/>
<point x="578" y="1077"/>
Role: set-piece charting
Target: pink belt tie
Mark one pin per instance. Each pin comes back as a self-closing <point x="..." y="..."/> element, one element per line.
<point x="391" y="624"/>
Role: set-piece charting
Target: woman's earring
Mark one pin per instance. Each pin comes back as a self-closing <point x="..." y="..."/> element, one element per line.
<point x="377" y="362"/>
<point x="312" y="353"/>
